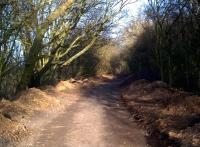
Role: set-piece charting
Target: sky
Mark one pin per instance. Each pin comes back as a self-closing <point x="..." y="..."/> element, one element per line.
<point x="133" y="11"/>
<point x="134" y="8"/>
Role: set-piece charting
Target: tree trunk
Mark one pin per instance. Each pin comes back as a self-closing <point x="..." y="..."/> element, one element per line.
<point x="199" y="81"/>
<point x="170" y="72"/>
<point x="30" y="63"/>
<point x="37" y="45"/>
<point x="35" y="81"/>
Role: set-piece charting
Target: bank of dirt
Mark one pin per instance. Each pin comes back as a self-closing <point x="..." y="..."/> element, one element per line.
<point x="18" y="118"/>
<point x="170" y="117"/>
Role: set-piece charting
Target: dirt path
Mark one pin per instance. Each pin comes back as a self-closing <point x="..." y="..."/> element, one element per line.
<point x="98" y="119"/>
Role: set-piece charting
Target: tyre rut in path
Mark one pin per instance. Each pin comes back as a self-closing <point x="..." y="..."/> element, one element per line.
<point x="98" y="119"/>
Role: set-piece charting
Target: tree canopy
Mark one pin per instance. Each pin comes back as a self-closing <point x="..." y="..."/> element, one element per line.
<point x="38" y="36"/>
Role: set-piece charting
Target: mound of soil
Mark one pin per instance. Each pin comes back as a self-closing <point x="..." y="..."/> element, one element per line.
<point x="11" y="131"/>
<point x="170" y="114"/>
<point x="16" y="115"/>
<point x="63" y="85"/>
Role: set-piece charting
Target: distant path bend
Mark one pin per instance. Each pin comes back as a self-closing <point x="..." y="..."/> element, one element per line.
<point x="98" y="119"/>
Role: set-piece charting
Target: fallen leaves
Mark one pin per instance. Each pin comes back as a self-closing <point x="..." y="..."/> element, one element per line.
<point x="170" y="111"/>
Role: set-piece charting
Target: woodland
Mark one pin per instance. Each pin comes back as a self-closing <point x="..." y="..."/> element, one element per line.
<point x="90" y="73"/>
<point x="41" y="37"/>
<point x="44" y="41"/>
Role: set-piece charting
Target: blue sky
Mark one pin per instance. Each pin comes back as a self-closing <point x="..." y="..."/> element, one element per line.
<point x="134" y="8"/>
<point x="133" y="11"/>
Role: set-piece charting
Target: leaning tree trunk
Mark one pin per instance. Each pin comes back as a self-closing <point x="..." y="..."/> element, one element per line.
<point x="30" y="63"/>
<point x="37" y="46"/>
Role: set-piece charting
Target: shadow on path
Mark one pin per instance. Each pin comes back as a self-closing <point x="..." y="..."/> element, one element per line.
<point x="98" y="119"/>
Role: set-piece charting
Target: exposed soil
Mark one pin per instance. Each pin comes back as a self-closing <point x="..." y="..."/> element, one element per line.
<point x="98" y="119"/>
<point x="171" y="117"/>
<point x="32" y="109"/>
<point x="90" y="113"/>
<point x="72" y="114"/>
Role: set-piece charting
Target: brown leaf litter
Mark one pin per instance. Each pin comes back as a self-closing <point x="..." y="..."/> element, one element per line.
<point x="15" y="114"/>
<point x="173" y="113"/>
